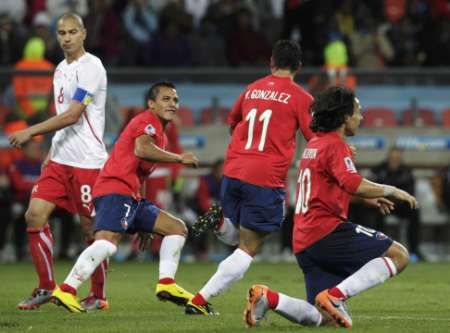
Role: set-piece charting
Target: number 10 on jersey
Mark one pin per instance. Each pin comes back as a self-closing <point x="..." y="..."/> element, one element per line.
<point x="304" y="191"/>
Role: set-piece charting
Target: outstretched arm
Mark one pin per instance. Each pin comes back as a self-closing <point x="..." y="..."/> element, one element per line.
<point x="368" y="189"/>
<point x="383" y="205"/>
<point x="145" y="148"/>
<point x="52" y="124"/>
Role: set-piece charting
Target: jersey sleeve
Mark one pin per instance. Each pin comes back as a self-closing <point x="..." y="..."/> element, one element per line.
<point x="341" y="166"/>
<point x="145" y="127"/>
<point x="89" y="78"/>
<point x="303" y="115"/>
<point x="235" y="115"/>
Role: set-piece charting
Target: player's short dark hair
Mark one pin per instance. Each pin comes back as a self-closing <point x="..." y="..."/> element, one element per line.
<point x="330" y="108"/>
<point x="153" y="92"/>
<point x="287" y="54"/>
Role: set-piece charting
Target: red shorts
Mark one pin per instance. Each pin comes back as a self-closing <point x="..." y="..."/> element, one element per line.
<point x="67" y="187"/>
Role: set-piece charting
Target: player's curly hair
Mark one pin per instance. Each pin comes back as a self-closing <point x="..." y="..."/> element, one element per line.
<point x="153" y="92"/>
<point x="330" y="108"/>
<point x="287" y="54"/>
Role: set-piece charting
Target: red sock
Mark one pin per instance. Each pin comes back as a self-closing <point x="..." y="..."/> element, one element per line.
<point x="166" y="281"/>
<point x="98" y="280"/>
<point x="48" y="233"/>
<point x="199" y="300"/>
<point x="219" y="225"/>
<point x="335" y="292"/>
<point x="68" y="289"/>
<point x="40" y="243"/>
<point x="272" y="299"/>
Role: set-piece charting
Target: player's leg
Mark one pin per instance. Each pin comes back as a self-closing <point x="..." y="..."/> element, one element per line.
<point x="227" y="230"/>
<point x="374" y="272"/>
<point x="223" y="220"/>
<point x="261" y="299"/>
<point x="40" y="243"/>
<point x="368" y="259"/>
<point x="230" y="270"/>
<point x="50" y="191"/>
<point x="260" y="212"/>
<point x="104" y="246"/>
<point x="96" y="299"/>
<point x="149" y="219"/>
<point x="114" y="214"/>
<point x="82" y="183"/>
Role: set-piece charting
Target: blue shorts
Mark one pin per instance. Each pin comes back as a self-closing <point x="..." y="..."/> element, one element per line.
<point x="254" y="207"/>
<point x="338" y="255"/>
<point x="121" y="213"/>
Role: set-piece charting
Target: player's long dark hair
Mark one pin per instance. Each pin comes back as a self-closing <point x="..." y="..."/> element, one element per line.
<point x="330" y="108"/>
<point x="287" y="54"/>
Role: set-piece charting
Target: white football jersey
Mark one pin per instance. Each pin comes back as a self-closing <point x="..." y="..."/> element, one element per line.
<point x="81" y="144"/>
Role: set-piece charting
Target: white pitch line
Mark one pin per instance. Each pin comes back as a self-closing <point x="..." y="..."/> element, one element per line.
<point x="403" y="318"/>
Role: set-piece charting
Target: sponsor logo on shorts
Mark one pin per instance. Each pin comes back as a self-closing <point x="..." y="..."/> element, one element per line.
<point x="124" y="223"/>
<point x="380" y="236"/>
<point x="35" y="189"/>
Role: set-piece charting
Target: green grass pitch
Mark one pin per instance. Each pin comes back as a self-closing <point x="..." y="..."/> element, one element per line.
<point x="418" y="300"/>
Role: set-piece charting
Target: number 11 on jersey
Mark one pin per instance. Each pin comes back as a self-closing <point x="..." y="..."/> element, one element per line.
<point x="251" y="118"/>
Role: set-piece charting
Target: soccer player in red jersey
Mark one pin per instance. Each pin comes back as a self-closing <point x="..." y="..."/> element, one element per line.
<point x="339" y="259"/>
<point x="76" y="156"/>
<point x="264" y="123"/>
<point x="120" y="208"/>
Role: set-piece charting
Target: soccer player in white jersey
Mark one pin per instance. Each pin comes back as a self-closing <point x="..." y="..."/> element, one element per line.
<point x="76" y="156"/>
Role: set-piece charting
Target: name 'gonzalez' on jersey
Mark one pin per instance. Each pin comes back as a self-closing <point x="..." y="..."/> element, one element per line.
<point x="81" y="145"/>
<point x="266" y="118"/>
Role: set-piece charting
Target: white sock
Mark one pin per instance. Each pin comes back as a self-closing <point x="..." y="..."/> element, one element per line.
<point x="371" y="274"/>
<point x="298" y="311"/>
<point x="228" y="233"/>
<point x="88" y="261"/>
<point x="169" y="255"/>
<point x="230" y="270"/>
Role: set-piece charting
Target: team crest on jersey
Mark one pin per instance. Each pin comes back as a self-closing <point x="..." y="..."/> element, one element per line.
<point x="150" y="130"/>
<point x="349" y="165"/>
<point x="124" y="223"/>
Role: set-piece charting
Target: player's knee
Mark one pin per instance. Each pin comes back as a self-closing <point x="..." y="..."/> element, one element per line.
<point x="87" y="233"/>
<point x="34" y="219"/>
<point x="399" y="255"/>
<point x="179" y="228"/>
<point x="249" y="249"/>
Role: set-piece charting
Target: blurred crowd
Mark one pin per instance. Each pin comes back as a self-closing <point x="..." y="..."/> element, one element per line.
<point x="369" y="34"/>
<point x="189" y="196"/>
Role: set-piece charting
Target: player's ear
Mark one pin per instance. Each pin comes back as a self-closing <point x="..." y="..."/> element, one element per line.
<point x="150" y="103"/>
<point x="272" y="63"/>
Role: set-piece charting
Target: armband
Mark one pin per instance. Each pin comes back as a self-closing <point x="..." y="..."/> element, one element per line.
<point x="82" y="96"/>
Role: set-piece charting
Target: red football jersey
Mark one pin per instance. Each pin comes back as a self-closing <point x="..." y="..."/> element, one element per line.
<point x="326" y="181"/>
<point x="265" y="119"/>
<point x="123" y="172"/>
